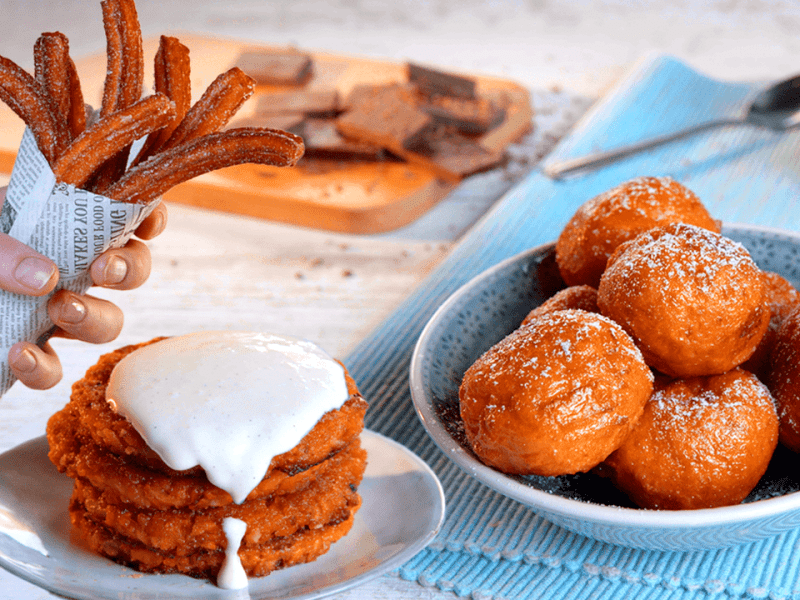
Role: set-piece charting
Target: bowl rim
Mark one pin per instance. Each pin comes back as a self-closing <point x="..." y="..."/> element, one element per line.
<point x="559" y="505"/>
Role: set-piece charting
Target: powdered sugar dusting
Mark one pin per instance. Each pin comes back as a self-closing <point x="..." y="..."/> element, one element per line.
<point x="660" y="199"/>
<point x="570" y="335"/>
<point x="684" y="408"/>
<point x="714" y="423"/>
<point x="692" y="299"/>
<point x="684" y="252"/>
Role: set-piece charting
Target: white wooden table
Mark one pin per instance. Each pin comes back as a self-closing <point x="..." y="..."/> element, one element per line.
<point x="225" y="272"/>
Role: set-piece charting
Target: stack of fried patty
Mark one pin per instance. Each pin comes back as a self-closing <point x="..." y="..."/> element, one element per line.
<point x="134" y="509"/>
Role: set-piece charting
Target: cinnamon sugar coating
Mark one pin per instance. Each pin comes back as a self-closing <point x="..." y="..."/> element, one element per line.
<point x="702" y="442"/>
<point x="618" y="215"/>
<point x="693" y="300"/>
<point x="556" y="396"/>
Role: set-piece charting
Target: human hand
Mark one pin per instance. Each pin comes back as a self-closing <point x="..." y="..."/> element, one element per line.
<point x="82" y="317"/>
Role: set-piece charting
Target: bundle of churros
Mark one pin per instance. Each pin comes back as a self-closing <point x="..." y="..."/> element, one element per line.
<point x="84" y="179"/>
<point x="92" y="149"/>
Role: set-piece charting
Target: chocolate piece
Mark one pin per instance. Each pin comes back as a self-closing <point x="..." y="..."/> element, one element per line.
<point x="451" y="154"/>
<point x="468" y="116"/>
<point x="358" y="94"/>
<point x="384" y="116"/>
<point x="308" y="102"/>
<point x="433" y="82"/>
<point x="288" y="67"/>
<point x="366" y="92"/>
<point x="452" y="100"/>
<point x="323" y="140"/>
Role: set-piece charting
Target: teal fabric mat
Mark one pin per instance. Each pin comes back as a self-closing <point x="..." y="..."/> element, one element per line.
<point x="493" y="547"/>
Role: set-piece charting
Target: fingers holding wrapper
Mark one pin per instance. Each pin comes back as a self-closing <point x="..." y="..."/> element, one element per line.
<point x="24" y="271"/>
<point x="85" y="317"/>
<point x="38" y="368"/>
<point x="123" y="268"/>
<point x="154" y="224"/>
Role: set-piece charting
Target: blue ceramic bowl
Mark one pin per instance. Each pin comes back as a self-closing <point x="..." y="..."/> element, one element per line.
<point x="493" y="304"/>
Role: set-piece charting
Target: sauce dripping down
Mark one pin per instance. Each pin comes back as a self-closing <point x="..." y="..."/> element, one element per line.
<point x="232" y="576"/>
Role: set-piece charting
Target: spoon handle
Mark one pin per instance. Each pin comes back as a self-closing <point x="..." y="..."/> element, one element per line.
<point x="558" y="169"/>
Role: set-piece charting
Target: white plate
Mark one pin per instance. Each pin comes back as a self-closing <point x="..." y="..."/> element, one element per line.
<point x="402" y="510"/>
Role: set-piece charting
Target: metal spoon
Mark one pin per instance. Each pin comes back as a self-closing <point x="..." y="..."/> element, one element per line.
<point x="777" y="108"/>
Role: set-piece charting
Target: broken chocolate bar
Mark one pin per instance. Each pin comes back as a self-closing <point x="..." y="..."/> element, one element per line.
<point x="322" y="140"/>
<point x="453" y="154"/>
<point x="385" y="116"/>
<point x="433" y="82"/>
<point x="288" y="67"/>
<point x="468" y="116"/>
<point x="307" y="102"/>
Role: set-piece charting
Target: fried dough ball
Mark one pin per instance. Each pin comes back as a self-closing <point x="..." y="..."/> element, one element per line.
<point x="692" y="299"/>
<point x="580" y="297"/>
<point x="702" y="442"/>
<point x="556" y="396"/>
<point x="782" y="300"/>
<point x="619" y="215"/>
<point x="783" y="378"/>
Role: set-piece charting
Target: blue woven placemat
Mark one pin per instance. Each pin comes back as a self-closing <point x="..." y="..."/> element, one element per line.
<point x="493" y="547"/>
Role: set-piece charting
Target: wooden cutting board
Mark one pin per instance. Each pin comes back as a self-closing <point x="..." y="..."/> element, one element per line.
<point x="345" y="196"/>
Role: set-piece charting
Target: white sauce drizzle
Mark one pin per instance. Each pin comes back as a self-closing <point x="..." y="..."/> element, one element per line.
<point x="226" y="401"/>
<point x="232" y="576"/>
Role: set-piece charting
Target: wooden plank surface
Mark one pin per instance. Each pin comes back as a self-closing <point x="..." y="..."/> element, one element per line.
<point x="344" y="196"/>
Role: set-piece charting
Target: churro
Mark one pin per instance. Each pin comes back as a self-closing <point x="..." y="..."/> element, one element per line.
<point x="113" y="79"/>
<point x="123" y="83"/>
<point x="76" y="118"/>
<point x="26" y="97"/>
<point x="109" y="135"/>
<point x="172" y="73"/>
<point x="51" y="69"/>
<point x="123" y="30"/>
<point x="55" y="71"/>
<point x="172" y="78"/>
<point x="132" y="57"/>
<point x="223" y="98"/>
<point x="168" y="168"/>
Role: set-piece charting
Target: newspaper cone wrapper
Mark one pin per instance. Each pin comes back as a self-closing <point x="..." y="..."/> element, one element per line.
<point x="68" y="225"/>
